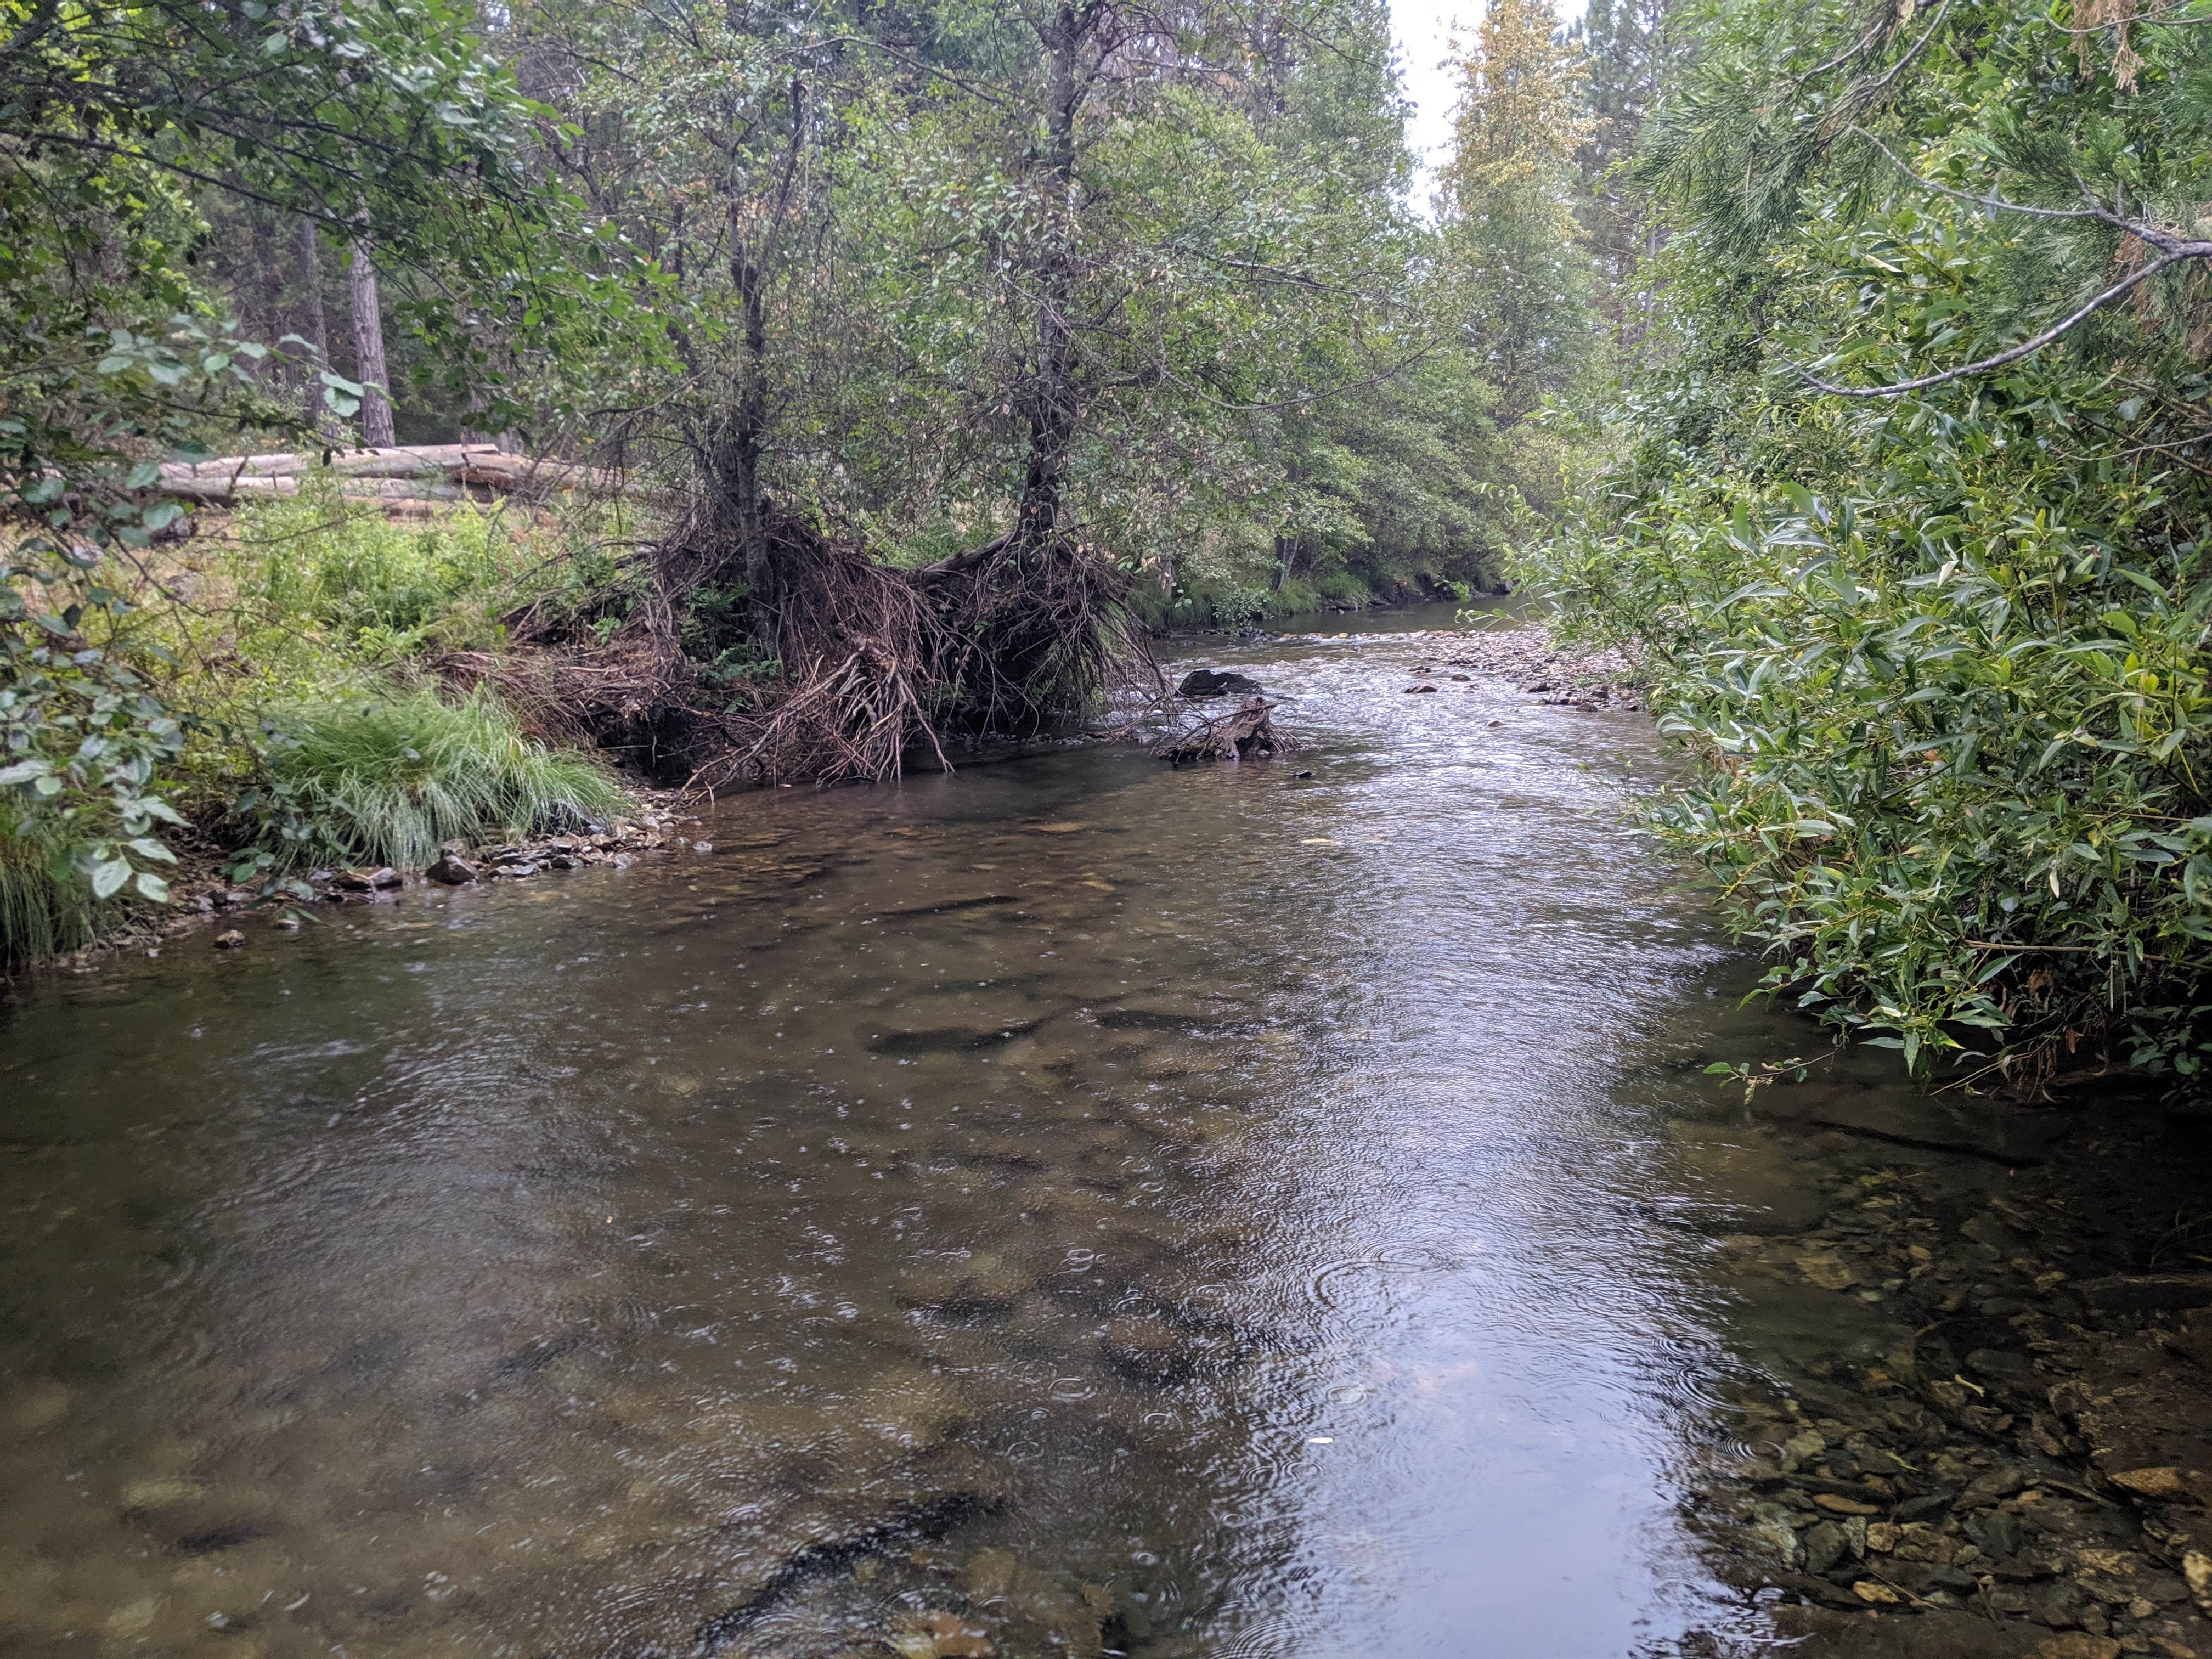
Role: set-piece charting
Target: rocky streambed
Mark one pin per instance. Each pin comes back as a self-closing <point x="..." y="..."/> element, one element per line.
<point x="2004" y="1447"/>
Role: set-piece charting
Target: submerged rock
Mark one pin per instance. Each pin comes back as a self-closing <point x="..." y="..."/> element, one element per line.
<point x="367" y="881"/>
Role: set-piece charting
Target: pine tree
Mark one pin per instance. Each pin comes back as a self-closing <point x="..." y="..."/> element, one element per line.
<point x="1508" y="201"/>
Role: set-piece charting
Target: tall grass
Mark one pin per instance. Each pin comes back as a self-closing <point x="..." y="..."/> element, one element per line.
<point x="46" y="907"/>
<point x="384" y="776"/>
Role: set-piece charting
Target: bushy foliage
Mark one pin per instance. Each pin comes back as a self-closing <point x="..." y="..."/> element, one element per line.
<point x="1943" y="654"/>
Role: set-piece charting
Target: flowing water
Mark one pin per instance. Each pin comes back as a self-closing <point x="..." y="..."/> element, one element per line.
<point x="1075" y="1206"/>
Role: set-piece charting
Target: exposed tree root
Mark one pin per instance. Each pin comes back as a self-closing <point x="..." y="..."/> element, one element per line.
<point x="840" y="673"/>
<point x="1245" y="733"/>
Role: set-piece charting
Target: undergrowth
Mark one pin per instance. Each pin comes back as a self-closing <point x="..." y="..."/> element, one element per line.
<point x="46" y="909"/>
<point x="383" y="775"/>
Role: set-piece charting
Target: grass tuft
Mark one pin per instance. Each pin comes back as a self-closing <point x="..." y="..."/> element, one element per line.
<point x="383" y="778"/>
<point x="45" y="911"/>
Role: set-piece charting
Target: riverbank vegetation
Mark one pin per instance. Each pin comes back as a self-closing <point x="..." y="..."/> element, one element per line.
<point x="1907" y="508"/>
<point x="911" y="367"/>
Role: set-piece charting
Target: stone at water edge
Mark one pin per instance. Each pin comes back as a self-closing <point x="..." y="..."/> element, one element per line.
<point x="451" y="869"/>
<point x="230" y="940"/>
<point x="2197" y="1568"/>
<point x="2163" y="1481"/>
<point x="367" y="881"/>
<point x="2078" y="1644"/>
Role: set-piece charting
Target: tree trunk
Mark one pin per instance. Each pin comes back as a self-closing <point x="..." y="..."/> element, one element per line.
<point x="267" y="319"/>
<point x="1055" y="401"/>
<point x="739" y="448"/>
<point x="369" y="352"/>
<point x="315" y="325"/>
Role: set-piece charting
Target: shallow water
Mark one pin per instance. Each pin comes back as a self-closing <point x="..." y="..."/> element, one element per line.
<point x="1201" y="1212"/>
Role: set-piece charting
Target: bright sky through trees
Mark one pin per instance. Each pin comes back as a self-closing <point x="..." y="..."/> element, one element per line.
<point x="1422" y="31"/>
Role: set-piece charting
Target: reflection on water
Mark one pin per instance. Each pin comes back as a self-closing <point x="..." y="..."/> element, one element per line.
<point x="1075" y="1206"/>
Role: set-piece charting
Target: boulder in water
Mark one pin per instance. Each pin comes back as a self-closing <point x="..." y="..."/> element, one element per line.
<point x="1203" y="683"/>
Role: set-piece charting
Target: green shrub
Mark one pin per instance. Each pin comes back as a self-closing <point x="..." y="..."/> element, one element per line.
<point x="1943" y="651"/>
<point x="384" y="776"/>
<point x="369" y="584"/>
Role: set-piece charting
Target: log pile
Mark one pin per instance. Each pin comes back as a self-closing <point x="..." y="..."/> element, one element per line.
<point x="408" y="479"/>
<point x="855" y="669"/>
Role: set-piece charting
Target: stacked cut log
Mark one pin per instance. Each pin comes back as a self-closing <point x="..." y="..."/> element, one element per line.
<point x="409" y="480"/>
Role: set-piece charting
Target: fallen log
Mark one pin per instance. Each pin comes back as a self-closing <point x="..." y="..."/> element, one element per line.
<point x="417" y="472"/>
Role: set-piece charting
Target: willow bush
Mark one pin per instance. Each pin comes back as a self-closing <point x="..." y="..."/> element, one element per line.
<point x="1941" y="651"/>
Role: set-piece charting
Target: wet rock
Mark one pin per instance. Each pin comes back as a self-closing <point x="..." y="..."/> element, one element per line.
<point x="1070" y="1612"/>
<point x="2008" y="1135"/>
<point x="1829" y="1273"/>
<point x="1836" y="1505"/>
<point x="451" y="869"/>
<point x="2197" y="1569"/>
<point x="1987" y="1490"/>
<point x="2078" y="1644"/>
<point x="1994" y="1532"/>
<point x="229" y="939"/>
<point x="2058" y="1605"/>
<point x="2162" y="1481"/>
<point x="1774" y="1525"/>
<point x="939" y="1635"/>
<point x="1203" y="683"/>
<point x="2138" y="1293"/>
<point x="910" y="1408"/>
<point x="1419" y="690"/>
<point x="1150" y="1352"/>
<point x="367" y="881"/>
<point x="518" y="870"/>
<point x="1824" y="1546"/>
<point x="2002" y="1366"/>
<point x="236" y="898"/>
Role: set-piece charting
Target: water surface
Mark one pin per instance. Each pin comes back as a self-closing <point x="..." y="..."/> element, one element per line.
<point x="1099" y="1206"/>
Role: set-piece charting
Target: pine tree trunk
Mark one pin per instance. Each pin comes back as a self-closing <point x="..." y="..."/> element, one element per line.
<point x="314" y="325"/>
<point x="369" y="352"/>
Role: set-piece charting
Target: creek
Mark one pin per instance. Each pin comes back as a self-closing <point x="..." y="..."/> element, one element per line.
<point x="1075" y="1206"/>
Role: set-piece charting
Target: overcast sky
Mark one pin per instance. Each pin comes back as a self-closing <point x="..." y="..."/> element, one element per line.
<point x="1423" y="30"/>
